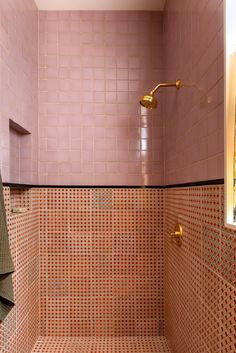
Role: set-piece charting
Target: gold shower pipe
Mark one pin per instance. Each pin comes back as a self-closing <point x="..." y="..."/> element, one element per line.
<point x="166" y="84"/>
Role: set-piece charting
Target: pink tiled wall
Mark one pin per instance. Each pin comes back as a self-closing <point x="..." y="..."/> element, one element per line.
<point x="20" y="329"/>
<point x="101" y="262"/>
<point x="19" y="83"/>
<point x="92" y="130"/>
<point x="93" y="68"/>
<point x="200" y="284"/>
<point x="194" y="116"/>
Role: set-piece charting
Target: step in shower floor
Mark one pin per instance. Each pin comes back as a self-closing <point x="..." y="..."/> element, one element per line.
<point x="147" y="344"/>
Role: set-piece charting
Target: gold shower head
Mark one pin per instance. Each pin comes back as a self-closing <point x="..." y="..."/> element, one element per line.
<point x="149" y="101"/>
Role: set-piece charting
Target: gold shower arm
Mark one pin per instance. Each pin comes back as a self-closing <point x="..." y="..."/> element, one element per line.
<point x="149" y="101"/>
<point x="167" y="84"/>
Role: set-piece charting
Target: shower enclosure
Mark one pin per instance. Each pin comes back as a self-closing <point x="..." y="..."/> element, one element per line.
<point x="102" y="182"/>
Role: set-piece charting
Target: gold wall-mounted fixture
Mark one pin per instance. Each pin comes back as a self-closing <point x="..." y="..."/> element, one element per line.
<point x="149" y="101"/>
<point x="177" y="234"/>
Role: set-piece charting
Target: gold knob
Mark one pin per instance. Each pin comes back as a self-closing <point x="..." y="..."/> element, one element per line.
<point x="178" y="234"/>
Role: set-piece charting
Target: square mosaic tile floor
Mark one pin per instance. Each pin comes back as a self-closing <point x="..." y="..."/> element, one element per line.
<point x="101" y="345"/>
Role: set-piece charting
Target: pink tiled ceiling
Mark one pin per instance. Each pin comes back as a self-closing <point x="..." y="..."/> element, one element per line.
<point x="93" y="68"/>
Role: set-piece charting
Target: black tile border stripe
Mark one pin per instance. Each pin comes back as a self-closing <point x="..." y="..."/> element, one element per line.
<point x="196" y="183"/>
<point x="27" y="186"/>
<point x="183" y="185"/>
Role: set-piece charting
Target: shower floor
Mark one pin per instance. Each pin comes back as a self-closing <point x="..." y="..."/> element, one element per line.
<point x="101" y="345"/>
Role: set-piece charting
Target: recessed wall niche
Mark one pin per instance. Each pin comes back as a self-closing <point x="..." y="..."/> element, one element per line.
<point x="19" y="151"/>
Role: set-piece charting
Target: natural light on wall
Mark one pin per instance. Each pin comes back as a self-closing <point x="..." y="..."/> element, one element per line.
<point x="230" y="113"/>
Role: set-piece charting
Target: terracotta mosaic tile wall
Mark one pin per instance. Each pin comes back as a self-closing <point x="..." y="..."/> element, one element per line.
<point x="200" y="292"/>
<point x="93" y="68"/>
<point x="101" y="267"/>
<point x="20" y="329"/>
<point x="101" y="262"/>
<point x="147" y="344"/>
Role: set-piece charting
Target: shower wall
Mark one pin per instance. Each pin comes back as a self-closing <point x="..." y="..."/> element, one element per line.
<point x="200" y="292"/>
<point x="101" y="262"/>
<point x="194" y="116"/>
<point x="93" y="68"/>
<point x="102" y="269"/>
<point x="19" y="87"/>
<point x="18" y="102"/>
<point x="200" y="286"/>
<point x="20" y="329"/>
